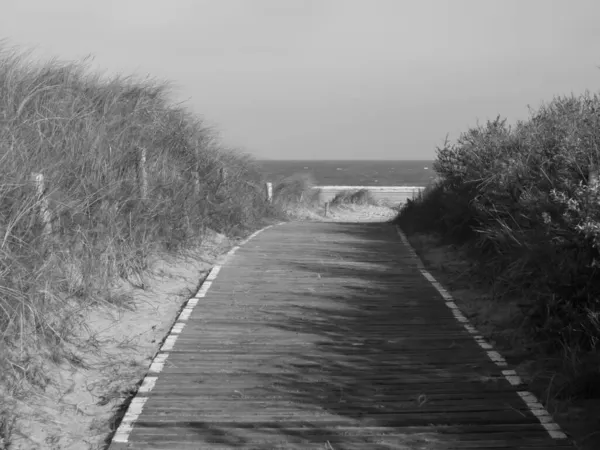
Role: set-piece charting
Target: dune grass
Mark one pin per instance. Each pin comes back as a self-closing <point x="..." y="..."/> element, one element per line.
<point x="523" y="205"/>
<point x="295" y="196"/>
<point x="349" y="197"/>
<point x="96" y="174"/>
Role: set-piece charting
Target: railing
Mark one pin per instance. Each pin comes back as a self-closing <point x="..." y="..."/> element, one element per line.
<point x="394" y="194"/>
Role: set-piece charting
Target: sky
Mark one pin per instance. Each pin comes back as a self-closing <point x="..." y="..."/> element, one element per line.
<point x="331" y="79"/>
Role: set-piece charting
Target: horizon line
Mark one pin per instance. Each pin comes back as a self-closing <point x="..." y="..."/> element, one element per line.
<point x="332" y="160"/>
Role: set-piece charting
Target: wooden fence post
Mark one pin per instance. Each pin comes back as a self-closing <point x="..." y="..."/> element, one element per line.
<point x="196" y="184"/>
<point x="46" y="217"/>
<point x="269" y="192"/>
<point x="326" y="209"/>
<point x="196" y="173"/>
<point x="593" y="178"/>
<point x="143" y="176"/>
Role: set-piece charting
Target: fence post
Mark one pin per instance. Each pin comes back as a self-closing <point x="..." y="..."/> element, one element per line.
<point x="269" y="192"/>
<point x="196" y="184"/>
<point x="593" y="178"/>
<point x="196" y="173"/>
<point x="326" y="209"/>
<point x="143" y="176"/>
<point x="38" y="180"/>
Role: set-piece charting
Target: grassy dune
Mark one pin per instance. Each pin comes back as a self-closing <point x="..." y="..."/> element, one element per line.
<point x="359" y="197"/>
<point x="296" y="197"/>
<point x="521" y="207"/>
<point x="96" y="176"/>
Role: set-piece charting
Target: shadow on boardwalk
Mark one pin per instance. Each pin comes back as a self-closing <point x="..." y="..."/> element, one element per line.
<point x="364" y="353"/>
<point x="370" y="364"/>
<point x="371" y="310"/>
<point x="386" y="352"/>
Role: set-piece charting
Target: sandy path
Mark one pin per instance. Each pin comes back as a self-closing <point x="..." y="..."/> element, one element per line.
<point x="348" y="213"/>
<point x="353" y="213"/>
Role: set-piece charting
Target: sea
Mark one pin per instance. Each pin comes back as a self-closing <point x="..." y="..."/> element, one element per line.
<point x="353" y="173"/>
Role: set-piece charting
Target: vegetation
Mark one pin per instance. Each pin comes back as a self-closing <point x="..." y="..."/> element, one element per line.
<point x="523" y="204"/>
<point x="360" y="197"/>
<point x="295" y="196"/>
<point x="95" y="175"/>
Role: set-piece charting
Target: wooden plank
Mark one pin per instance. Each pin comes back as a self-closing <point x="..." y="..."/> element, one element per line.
<point x="317" y="333"/>
<point x="296" y="416"/>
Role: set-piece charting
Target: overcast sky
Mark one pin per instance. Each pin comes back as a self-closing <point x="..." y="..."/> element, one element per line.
<point x="331" y="79"/>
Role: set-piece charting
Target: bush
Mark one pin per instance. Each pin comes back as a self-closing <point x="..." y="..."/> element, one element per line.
<point x="360" y="197"/>
<point x="519" y="200"/>
<point x="295" y="192"/>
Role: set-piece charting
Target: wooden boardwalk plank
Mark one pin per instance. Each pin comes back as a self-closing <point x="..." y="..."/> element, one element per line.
<point x="324" y="335"/>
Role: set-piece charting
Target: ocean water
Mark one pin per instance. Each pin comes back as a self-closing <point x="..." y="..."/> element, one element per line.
<point x="354" y="173"/>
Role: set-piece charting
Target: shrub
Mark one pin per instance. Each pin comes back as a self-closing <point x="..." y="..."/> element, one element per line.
<point x="519" y="199"/>
<point x="360" y="197"/>
<point x="295" y="192"/>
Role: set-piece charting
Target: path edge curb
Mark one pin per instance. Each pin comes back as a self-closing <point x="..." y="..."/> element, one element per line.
<point x="534" y="405"/>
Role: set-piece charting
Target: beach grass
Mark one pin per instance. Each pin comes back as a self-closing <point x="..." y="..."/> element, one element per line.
<point x="353" y="197"/>
<point x="96" y="175"/>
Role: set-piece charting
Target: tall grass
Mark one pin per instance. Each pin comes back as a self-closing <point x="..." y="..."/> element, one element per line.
<point x="295" y="194"/>
<point x="349" y="197"/>
<point x="524" y="202"/>
<point x="108" y="209"/>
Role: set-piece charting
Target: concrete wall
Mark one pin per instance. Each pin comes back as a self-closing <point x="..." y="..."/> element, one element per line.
<point x="395" y="195"/>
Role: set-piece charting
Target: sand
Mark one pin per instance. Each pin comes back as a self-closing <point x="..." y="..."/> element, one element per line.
<point x="113" y="353"/>
<point x="347" y="214"/>
<point x="359" y="213"/>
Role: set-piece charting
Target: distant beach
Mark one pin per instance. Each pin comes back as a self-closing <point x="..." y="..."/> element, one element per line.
<point x="354" y="173"/>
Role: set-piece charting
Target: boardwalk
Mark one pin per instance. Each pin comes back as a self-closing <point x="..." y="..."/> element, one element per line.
<point x="327" y="336"/>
